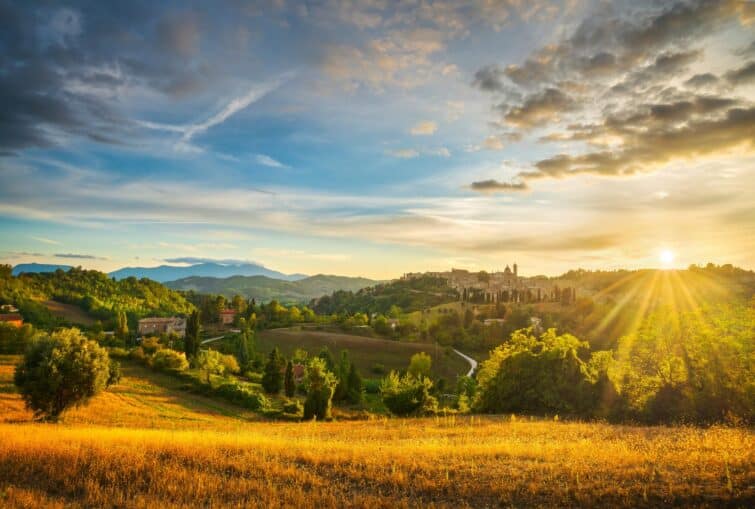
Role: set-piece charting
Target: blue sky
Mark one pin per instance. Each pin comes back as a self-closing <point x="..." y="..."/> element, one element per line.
<point x="375" y="138"/>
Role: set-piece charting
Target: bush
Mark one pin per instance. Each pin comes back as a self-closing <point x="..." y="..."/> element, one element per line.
<point x="408" y="395"/>
<point x="61" y="370"/>
<point x="372" y="386"/>
<point x="293" y="407"/>
<point x="241" y="396"/>
<point x="138" y="354"/>
<point x="538" y="376"/>
<point x="14" y="340"/>
<point x="230" y="364"/>
<point x="320" y="384"/>
<point x="169" y="360"/>
<point x="151" y="345"/>
<point x="118" y="353"/>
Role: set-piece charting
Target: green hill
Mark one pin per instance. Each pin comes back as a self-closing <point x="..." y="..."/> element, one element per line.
<point x="263" y="288"/>
<point x="99" y="296"/>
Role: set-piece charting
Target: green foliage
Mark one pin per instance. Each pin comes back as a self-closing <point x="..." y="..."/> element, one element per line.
<point x="210" y="362"/>
<point x="537" y="375"/>
<point x="94" y="292"/>
<point x="191" y="339"/>
<point x="342" y="374"/>
<point x="272" y="379"/>
<point x="169" y="360"/>
<point x="407" y="295"/>
<point x="408" y="395"/>
<point x="419" y="365"/>
<point x="14" y="340"/>
<point x="62" y="370"/>
<point x="233" y="392"/>
<point x="289" y="384"/>
<point x="320" y="384"/>
<point x="690" y="366"/>
<point x="327" y="358"/>
<point x="355" y="392"/>
<point x="293" y="407"/>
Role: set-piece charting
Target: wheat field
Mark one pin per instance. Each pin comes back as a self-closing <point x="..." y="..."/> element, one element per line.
<point x="147" y="445"/>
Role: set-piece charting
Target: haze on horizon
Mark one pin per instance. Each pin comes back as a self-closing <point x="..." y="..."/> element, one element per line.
<point x="377" y="138"/>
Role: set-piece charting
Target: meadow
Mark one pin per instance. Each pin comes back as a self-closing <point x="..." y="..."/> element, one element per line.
<point x="363" y="351"/>
<point x="146" y="444"/>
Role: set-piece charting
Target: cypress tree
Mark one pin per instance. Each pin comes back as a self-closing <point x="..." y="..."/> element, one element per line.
<point x="272" y="379"/>
<point x="289" y="385"/>
<point x="355" y="390"/>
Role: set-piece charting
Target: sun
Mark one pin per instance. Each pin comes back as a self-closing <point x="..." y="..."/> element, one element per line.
<point x="667" y="257"/>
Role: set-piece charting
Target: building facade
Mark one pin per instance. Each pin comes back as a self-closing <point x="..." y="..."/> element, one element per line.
<point x="157" y="326"/>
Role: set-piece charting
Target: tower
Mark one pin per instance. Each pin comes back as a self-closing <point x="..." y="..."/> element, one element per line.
<point x="515" y="274"/>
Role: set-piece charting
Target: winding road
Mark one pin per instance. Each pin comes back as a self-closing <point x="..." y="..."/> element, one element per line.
<point x="470" y="360"/>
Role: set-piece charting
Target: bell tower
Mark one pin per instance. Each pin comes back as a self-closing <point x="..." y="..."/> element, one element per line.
<point x="515" y="273"/>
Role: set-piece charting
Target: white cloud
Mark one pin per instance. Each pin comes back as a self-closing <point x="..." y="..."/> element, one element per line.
<point x="266" y="160"/>
<point x="404" y="153"/>
<point x="441" y="151"/>
<point x="424" y="128"/>
<point x="46" y="240"/>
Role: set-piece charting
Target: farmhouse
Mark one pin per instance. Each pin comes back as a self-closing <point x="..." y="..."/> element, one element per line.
<point x="155" y="325"/>
<point x="227" y="316"/>
<point x="12" y="319"/>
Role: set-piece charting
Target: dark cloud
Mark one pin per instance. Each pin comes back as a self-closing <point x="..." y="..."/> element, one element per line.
<point x="744" y="74"/>
<point x="539" y="108"/>
<point x="489" y="79"/>
<point x="77" y="256"/>
<point x="191" y="260"/>
<point x="493" y="186"/>
<point x="702" y="80"/>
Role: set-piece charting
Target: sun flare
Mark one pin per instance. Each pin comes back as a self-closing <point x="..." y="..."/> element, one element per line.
<point x="666" y="257"/>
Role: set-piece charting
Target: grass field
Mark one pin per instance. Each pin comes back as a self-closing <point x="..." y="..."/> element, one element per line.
<point x="69" y="312"/>
<point x="364" y="352"/>
<point x="145" y="444"/>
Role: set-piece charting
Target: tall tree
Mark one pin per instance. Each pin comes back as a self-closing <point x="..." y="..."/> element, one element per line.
<point x="320" y="385"/>
<point x="191" y="339"/>
<point x="272" y="379"/>
<point x="289" y="385"/>
<point x="121" y="327"/>
<point x="344" y="366"/>
<point x="355" y="391"/>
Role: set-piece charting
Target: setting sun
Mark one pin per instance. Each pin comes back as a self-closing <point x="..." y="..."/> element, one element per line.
<point x="667" y="257"/>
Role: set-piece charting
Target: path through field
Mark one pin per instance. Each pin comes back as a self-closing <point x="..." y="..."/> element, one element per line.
<point x="470" y="360"/>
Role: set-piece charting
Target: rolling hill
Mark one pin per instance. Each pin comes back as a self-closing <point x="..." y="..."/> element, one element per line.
<point x="37" y="268"/>
<point x="265" y="288"/>
<point x="165" y="273"/>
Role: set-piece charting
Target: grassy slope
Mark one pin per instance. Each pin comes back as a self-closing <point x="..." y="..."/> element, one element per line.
<point x="69" y="313"/>
<point x="197" y="455"/>
<point x="364" y="352"/>
<point x="264" y="288"/>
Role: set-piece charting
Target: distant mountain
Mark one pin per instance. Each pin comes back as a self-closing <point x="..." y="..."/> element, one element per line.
<point x="165" y="273"/>
<point x="34" y="268"/>
<point x="265" y="288"/>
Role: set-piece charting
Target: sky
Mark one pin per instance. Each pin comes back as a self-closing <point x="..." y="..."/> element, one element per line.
<point x="376" y="138"/>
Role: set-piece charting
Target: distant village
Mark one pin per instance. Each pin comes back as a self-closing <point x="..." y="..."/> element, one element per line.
<point x="500" y="286"/>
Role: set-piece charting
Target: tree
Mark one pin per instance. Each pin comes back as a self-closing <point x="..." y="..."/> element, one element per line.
<point x="537" y="375"/>
<point x="121" y="327"/>
<point x="289" y="384"/>
<point x="327" y="358"/>
<point x="342" y="374"/>
<point x="243" y="352"/>
<point x="272" y="380"/>
<point x="320" y="384"/>
<point x="191" y="340"/>
<point x="355" y="392"/>
<point x="408" y="395"/>
<point x="211" y="363"/>
<point x="62" y="370"/>
<point x="419" y="365"/>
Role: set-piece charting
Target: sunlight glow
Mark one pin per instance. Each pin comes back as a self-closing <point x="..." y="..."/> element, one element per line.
<point x="666" y="257"/>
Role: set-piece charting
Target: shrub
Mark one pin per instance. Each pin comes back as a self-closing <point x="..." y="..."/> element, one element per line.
<point x="118" y="353"/>
<point x="138" y="354"/>
<point x="230" y="364"/>
<point x="408" y="395"/>
<point x="372" y="386"/>
<point x="419" y="365"/>
<point x="14" y="340"/>
<point x="151" y="345"/>
<point x="61" y="370"/>
<point x="241" y="396"/>
<point x="293" y="407"/>
<point x="169" y="360"/>
<point x="537" y="375"/>
<point x="320" y="385"/>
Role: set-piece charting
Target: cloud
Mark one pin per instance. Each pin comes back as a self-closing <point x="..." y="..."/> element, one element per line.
<point x="266" y="160"/>
<point x="77" y="256"/>
<point x="179" y="33"/>
<point x="46" y="240"/>
<point x="424" y="128"/>
<point x="404" y="153"/>
<point x="440" y="152"/>
<point x="742" y="75"/>
<point x="702" y="80"/>
<point x="494" y="186"/>
<point x="193" y="260"/>
<point x="539" y="108"/>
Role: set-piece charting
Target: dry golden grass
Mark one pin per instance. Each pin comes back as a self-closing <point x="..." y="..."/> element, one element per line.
<point x="222" y="460"/>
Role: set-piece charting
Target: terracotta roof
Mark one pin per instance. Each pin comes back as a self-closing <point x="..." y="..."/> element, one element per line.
<point x="11" y="317"/>
<point x="228" y="312"/>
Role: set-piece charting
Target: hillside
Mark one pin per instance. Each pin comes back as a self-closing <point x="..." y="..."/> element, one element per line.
<point x="165" y="273"/>
<point x="146" y="444"/>
<point x="365" y="352"/>
<point x="93" y="292"/>
<point x="264" y="288"/>
<point x="409" y="295"/>
<point x="33" y="268"/>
